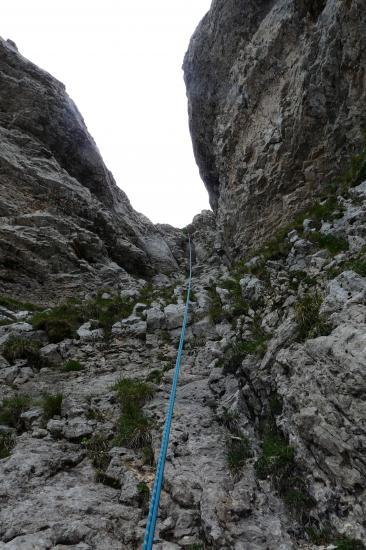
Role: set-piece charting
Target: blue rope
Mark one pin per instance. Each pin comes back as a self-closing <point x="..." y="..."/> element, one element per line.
<point x="158" y="482"/>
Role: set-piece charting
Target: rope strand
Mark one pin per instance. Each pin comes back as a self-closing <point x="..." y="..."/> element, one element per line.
<point x="158" y="482"/>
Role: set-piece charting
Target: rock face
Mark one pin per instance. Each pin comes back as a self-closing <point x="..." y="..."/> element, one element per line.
<point x="64" y="223"/>
<point x="268" y="442"/>
<point x="276" y="90"/>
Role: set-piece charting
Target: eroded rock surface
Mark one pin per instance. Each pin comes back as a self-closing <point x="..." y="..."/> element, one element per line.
<point x="276" y="90"/>
<point x="64" y="223"/>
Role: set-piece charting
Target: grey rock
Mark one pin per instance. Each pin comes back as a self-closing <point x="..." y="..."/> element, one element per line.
<point x="174" y="316"/>
<point x="87" y="333"/>
<point x="155" y="319"/>
<point x="242" y="76"/>
<point x="252" y="288"/>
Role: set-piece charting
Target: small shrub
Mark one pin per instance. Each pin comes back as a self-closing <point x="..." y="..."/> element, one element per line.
<point x="97" y="448"/>
<point x="73" y="366"/>
<point x="7" y="442"/>
<point x="22" y="348"/>
<point x="311" y="323"/>
<point x="11" y="410"/>
<point x="51" y="405"/>
<point x="144" y="495"/>
<point x="238" y="453"/>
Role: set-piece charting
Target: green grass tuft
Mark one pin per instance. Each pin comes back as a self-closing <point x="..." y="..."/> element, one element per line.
<point x="238" y="452"/>
<point x="333" y="244"/>
<point x="73" y="366"/>
<point x="11" y="410"/>
<point x="63" y="321"/>
<point x="51" y="405"/>
<point x="215" y="311"/>
<point x="239" y="305"/>
<point x="235" y="354"/>
<point x="148" y="455"/>
<point x="277" y="462"/>
<point x="17" y="305"/>
<point x="311" y="323"/>
<point x="22" y="348"/>
<point x="97" y="448"/>
<point x="345" y="543"/>
<point x="7" y="442"/>
<point x="133" y="392"/>
<point x="134" y="427"/>
<point x="143" y="495"/>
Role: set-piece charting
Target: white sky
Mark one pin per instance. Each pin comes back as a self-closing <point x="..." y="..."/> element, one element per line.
<point x="121" y="63"/>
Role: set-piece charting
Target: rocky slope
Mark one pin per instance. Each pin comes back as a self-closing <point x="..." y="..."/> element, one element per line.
<point x="267" y="449"/>
<point x="276" y="93"/>
<point x="64" y="224"/>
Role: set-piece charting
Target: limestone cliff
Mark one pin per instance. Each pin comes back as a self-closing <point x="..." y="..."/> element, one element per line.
<point x="276" y="93"/>
<point x="268" y="443"/>
<point x="64" y="223"/>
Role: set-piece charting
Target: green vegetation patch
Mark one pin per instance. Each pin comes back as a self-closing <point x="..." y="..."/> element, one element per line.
<point x="239" y="305"/>
<point x="345" y="543"/>
<point x="325" y="535"/>
<point x="148" y="455"/>
<point x="333" y="244"/>
<point x="63" y="321"/>
<point x="97" y="448"/>
<point x="238" y="452"/>
<point x="143" y="495"/>
<point x="133" y="392"/>
<point x="73" y="366"/>
<point x="134" y="427"/>
<point x="51" y="405"/>
<point x="7" y="442"/>
<point x="236" y="353"/>
<point x="277" y="463"/>
<point x="17" y="305"/>
<point x="311" y="323"/>
<point x="215" y="312"/>
<point x="22" y="348"/>
<point x="11" y="410"/>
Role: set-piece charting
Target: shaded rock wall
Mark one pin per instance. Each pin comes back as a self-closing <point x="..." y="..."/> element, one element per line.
<point x="276" y="92"/>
